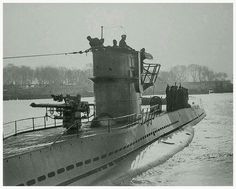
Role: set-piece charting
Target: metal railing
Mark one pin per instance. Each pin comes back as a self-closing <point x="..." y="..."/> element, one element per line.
<point x="127" y="120"/>
<point x="146" y="115"/>
<point x="29" y="124"/>
<point x="39" y="123"/>
<point x="150" y="113"/>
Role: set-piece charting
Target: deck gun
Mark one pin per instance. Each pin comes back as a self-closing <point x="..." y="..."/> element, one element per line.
<point x="72" y="111"/>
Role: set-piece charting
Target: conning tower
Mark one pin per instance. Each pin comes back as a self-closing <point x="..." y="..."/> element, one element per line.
<point x="120" y="76"/>
<point x="116" y="72"/>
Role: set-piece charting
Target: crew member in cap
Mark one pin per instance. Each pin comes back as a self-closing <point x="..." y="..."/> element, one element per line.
<point x="167" y="98"/>
<point x="114" y="43"/>
<point x="123" y="44"/>
<point x="95" y="42"/>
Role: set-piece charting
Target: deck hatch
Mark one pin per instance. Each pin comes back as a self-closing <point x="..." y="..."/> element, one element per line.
<point x="96" y="159"/>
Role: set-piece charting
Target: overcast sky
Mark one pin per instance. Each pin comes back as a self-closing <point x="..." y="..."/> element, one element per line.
<point x="174" y="33"/>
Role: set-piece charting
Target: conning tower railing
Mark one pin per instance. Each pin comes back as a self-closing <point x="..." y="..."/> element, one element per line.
<point x="127" y="121"/>
<point x="14" y="128"/>
<point x="29" y="124"/>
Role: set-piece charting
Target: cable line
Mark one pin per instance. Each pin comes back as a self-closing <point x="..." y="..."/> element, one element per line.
<point x="52" y="54"/>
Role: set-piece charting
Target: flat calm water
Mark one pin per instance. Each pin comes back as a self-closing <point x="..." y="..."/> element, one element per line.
<point x="208" y="160"/>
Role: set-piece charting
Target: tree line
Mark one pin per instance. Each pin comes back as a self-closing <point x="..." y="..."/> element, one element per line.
<point x="191" y="73"/>
<point x="24" y="75"/>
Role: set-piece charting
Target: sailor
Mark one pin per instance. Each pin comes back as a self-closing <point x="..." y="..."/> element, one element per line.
<point x="167" y="98"/>
<point x="171" y="99"/>
<point x="114" y="43"/>
<point x="142" y="57"/>
<point x="187" y="105"/>
<point x="174" y="91"/>
<point x="185" y="97"/>
<point x="123" y="44"/>
<point x="180" y="97"/>
<point x="95" y="42"/>
<point x="142" y="54"/>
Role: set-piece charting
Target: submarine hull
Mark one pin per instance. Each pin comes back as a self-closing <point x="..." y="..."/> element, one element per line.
<point x="82" y="160"/>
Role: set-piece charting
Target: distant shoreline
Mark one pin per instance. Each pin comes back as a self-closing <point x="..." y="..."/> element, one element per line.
<point x="14" y="92"/>
<point x="49" y="96"/>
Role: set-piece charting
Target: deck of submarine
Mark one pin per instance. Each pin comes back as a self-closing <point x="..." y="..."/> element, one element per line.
<point x="25" y="142"/>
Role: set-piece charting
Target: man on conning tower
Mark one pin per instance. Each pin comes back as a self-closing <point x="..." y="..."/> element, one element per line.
<point x="123" y="44"/>
<point x="95" y="42"/>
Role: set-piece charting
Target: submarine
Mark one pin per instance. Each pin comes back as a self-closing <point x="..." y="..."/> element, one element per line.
<point x="92" y="137"/>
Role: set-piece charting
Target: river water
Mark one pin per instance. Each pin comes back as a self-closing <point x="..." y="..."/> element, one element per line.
<point x="208" y="160"/>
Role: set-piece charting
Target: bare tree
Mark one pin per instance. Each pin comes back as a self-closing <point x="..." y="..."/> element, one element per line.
<point x="193" y="71"/>
<point x="178" y="73"/>
<point x="221" y="76"/>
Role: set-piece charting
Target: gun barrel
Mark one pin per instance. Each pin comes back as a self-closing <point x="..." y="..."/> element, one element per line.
<point x="49" y="105"/>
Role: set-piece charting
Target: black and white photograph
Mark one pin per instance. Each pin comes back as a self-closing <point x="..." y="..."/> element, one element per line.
<point x="117" y="94"/>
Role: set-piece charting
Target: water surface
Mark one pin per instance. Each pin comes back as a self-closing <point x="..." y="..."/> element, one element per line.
<point x="208" y="160"/>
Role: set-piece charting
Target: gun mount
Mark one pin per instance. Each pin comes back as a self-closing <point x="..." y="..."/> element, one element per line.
<point x="72" y="111"/>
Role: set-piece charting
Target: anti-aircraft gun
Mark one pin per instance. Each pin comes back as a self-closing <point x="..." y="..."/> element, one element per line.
<point x="72" y="111"/>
